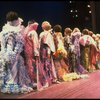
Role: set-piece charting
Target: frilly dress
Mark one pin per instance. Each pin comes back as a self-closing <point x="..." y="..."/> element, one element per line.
<point x="13" y="74"/>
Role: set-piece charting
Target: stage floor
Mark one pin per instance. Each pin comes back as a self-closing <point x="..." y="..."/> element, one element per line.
<point x="82" y="88"/>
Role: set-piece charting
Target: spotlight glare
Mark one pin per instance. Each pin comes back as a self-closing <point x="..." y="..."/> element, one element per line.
<point x="88" y="6"/>
<point x="75" y="10"/>
<point x="90" y="12"/>
<point x="70" y="1"/>
<point x="76" y="15"/>
<point x="71" y="10"/>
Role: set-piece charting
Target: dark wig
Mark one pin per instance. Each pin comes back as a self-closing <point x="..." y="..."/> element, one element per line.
<point x="57" y="28"/>
<point x="11" y="16"/>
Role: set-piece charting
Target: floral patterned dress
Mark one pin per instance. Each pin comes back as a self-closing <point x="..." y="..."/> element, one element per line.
<point x="60" y="65"/>
<point x="31" y="49"/>
<point x="14" y="77"/>
<point x="76" y="66"/>
<point x="46" y="69"/>
<point x="98" y="55"/>
<point x="87" y="45"/>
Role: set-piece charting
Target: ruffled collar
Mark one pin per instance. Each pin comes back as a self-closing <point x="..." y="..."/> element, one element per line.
<point x="8" y="28"/>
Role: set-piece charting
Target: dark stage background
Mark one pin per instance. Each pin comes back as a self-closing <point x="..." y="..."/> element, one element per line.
<point x="52" y="11"/>
<point x="56" y="12"/>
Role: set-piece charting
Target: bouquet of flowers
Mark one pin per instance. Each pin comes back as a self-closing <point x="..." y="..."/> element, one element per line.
<point x="70" y="76"/>
<point x="60" y="53"/>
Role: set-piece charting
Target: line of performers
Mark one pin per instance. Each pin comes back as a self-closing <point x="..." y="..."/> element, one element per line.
<point x="29" y="60"/>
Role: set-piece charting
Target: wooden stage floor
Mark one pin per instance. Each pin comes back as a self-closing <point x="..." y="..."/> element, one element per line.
<point x="82" y="88"/>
